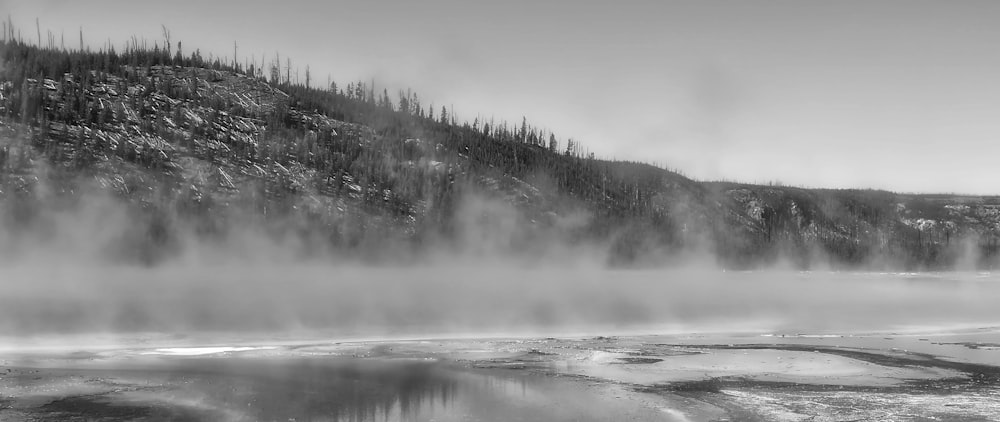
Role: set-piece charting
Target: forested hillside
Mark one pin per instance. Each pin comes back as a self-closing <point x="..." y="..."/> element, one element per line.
<point x="196" y="144"/>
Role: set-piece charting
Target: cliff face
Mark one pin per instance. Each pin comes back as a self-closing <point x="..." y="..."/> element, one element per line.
<point x="871" y="227"/>
<point x="187" y="144"/>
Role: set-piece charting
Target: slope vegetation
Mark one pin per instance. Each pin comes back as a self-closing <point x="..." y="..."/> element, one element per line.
<point x="191" y="146"/>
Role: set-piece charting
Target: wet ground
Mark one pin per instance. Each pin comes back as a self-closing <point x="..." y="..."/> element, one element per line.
<point x="949" y="374"/>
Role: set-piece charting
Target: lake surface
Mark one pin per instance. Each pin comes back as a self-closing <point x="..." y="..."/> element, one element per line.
<point x="323" y="343"/>
<point x="304" y="389"/>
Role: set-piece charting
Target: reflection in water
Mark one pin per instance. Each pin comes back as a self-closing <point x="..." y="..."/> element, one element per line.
<point x="359" y="390"/>
<point x="344" y="391"/>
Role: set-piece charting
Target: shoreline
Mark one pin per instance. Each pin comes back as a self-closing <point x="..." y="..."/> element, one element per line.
<point x="703" y="376"/>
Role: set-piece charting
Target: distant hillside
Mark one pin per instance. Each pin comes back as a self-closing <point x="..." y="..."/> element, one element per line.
<point x="187" y="143"/>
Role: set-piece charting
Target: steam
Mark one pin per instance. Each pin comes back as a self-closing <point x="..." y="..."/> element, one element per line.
<point x="70" y="271"/>
<point x="76" y="258"/>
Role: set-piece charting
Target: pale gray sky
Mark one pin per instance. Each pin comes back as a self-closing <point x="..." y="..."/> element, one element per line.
<point x="895" y="94"/>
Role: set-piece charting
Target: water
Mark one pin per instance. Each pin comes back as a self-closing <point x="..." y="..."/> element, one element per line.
<point x="331" y="389"/>
<point x="133" y="338"/>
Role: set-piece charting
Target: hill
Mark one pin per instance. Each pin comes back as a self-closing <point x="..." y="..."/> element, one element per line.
<point x="197" y="148"/>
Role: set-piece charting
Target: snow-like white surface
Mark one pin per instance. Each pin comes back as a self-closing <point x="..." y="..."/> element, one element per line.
<point x="199" y="351"/>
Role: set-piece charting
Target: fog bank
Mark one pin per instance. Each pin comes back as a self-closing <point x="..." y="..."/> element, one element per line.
<point x="74" y="263"/>
<point x="469" y="298"/>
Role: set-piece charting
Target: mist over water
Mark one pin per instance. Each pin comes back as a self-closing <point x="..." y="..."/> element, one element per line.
<point x="351" y="300"/>
<point x="89" y="273"/>
<point x="65" y="274"/>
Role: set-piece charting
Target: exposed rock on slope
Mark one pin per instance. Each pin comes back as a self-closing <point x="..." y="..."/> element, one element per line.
<point x="191" y="144"/>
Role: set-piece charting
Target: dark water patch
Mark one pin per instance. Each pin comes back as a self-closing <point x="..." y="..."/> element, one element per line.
<point x="973" y="345"/>
<point x="718" y="385"/>
<point x="303" y="389"/>
<point x="892" y="358"/>
<point x="93" y="408"/>
<point x="326" y="388"/>
<point x="639" y="360"/>
<point x="711" y="385"/>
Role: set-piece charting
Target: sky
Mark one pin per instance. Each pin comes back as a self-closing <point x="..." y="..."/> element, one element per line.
<point x="901" y="95"/>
